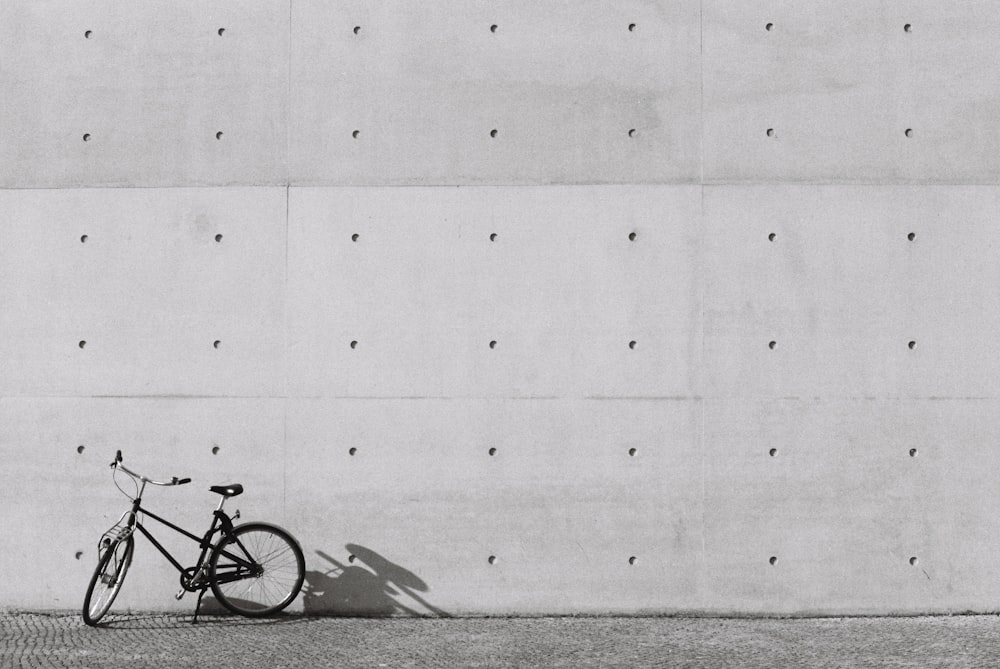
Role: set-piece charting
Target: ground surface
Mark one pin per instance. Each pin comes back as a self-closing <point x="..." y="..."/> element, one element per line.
<point x="157" y="640"/>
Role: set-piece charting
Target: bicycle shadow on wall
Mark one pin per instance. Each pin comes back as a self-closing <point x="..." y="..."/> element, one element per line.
<point x="368" y="585"/>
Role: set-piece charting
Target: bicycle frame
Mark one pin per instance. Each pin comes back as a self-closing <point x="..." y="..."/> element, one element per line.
<point x="221" y="523"/>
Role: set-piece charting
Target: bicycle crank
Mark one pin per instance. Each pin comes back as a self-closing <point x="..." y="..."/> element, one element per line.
<point x="192" y="580"/>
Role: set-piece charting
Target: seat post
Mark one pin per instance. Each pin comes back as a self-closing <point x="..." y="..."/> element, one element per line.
<point x="222" y="500"/>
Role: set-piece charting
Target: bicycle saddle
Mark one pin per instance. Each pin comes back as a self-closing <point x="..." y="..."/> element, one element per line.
<point x="227" y="490"/>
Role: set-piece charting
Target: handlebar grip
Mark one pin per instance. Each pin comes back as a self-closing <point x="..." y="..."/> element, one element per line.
<point x="118" y="458"/>
<point x="181" y="481"/>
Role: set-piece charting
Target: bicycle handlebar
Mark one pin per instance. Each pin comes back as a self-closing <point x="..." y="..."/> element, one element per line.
<point x="117" y="464"/>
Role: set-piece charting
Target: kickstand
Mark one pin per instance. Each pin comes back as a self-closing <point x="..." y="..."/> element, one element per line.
<point x="201" y="593"/>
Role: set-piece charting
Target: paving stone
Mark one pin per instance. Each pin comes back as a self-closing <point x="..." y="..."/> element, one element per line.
<point x="136" y="640"/>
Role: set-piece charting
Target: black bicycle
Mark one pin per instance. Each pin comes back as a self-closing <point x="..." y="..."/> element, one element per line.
<point x="254" y="569"/>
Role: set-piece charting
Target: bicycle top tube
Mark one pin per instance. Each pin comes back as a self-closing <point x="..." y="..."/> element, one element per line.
<point x="117" y="464"/>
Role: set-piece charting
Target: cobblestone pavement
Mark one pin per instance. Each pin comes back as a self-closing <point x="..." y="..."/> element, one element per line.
<point x="158" y="640"/>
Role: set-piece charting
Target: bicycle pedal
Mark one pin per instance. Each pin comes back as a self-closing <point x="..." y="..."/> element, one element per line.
<point x="180" y="594"/>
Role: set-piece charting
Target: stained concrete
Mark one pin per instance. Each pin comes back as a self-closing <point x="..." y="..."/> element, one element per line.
<point x="574" y="94"/>
<point x="435" y="275"/>
<point x="840" y="83"/>
<point x="843" y="290"/>
<point x="150" y="86"/>
<point x="126" y="292"/>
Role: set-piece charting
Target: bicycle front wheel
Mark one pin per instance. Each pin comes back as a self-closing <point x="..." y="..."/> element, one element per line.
<point x="107" y="579"/>
<point x="257" y="571"/>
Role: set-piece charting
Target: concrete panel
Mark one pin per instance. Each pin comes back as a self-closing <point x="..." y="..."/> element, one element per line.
<point x="840" y="82"/>
<point x="562" y="289"/>
<point x="854" y="491"/>
<point x="561" y="83"/>
<point x="411" y="487"/>
<point x="58" y="500"/>
<point x="138" y="275"/>
<point x="842" y="290"/>
<point x="149" y="85"/>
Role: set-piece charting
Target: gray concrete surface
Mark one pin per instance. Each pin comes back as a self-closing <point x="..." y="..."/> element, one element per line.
<point x="158" y="640"/>
<point x="840" y="82"/>
<point x="709" y="327"/>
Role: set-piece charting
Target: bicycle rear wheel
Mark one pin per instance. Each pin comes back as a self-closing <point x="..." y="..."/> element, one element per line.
<point x="107" y="579"/>
<point x="257" y="571"/>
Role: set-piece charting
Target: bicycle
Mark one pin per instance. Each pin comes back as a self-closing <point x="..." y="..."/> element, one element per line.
<point x="254" y="569"/>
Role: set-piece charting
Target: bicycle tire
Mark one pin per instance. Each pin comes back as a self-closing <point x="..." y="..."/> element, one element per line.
<point x="283" y="568"/>
<point x="107" y="580"/>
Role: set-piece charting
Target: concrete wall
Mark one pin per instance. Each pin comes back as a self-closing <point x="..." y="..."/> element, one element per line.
<point x="709" y="324"/>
